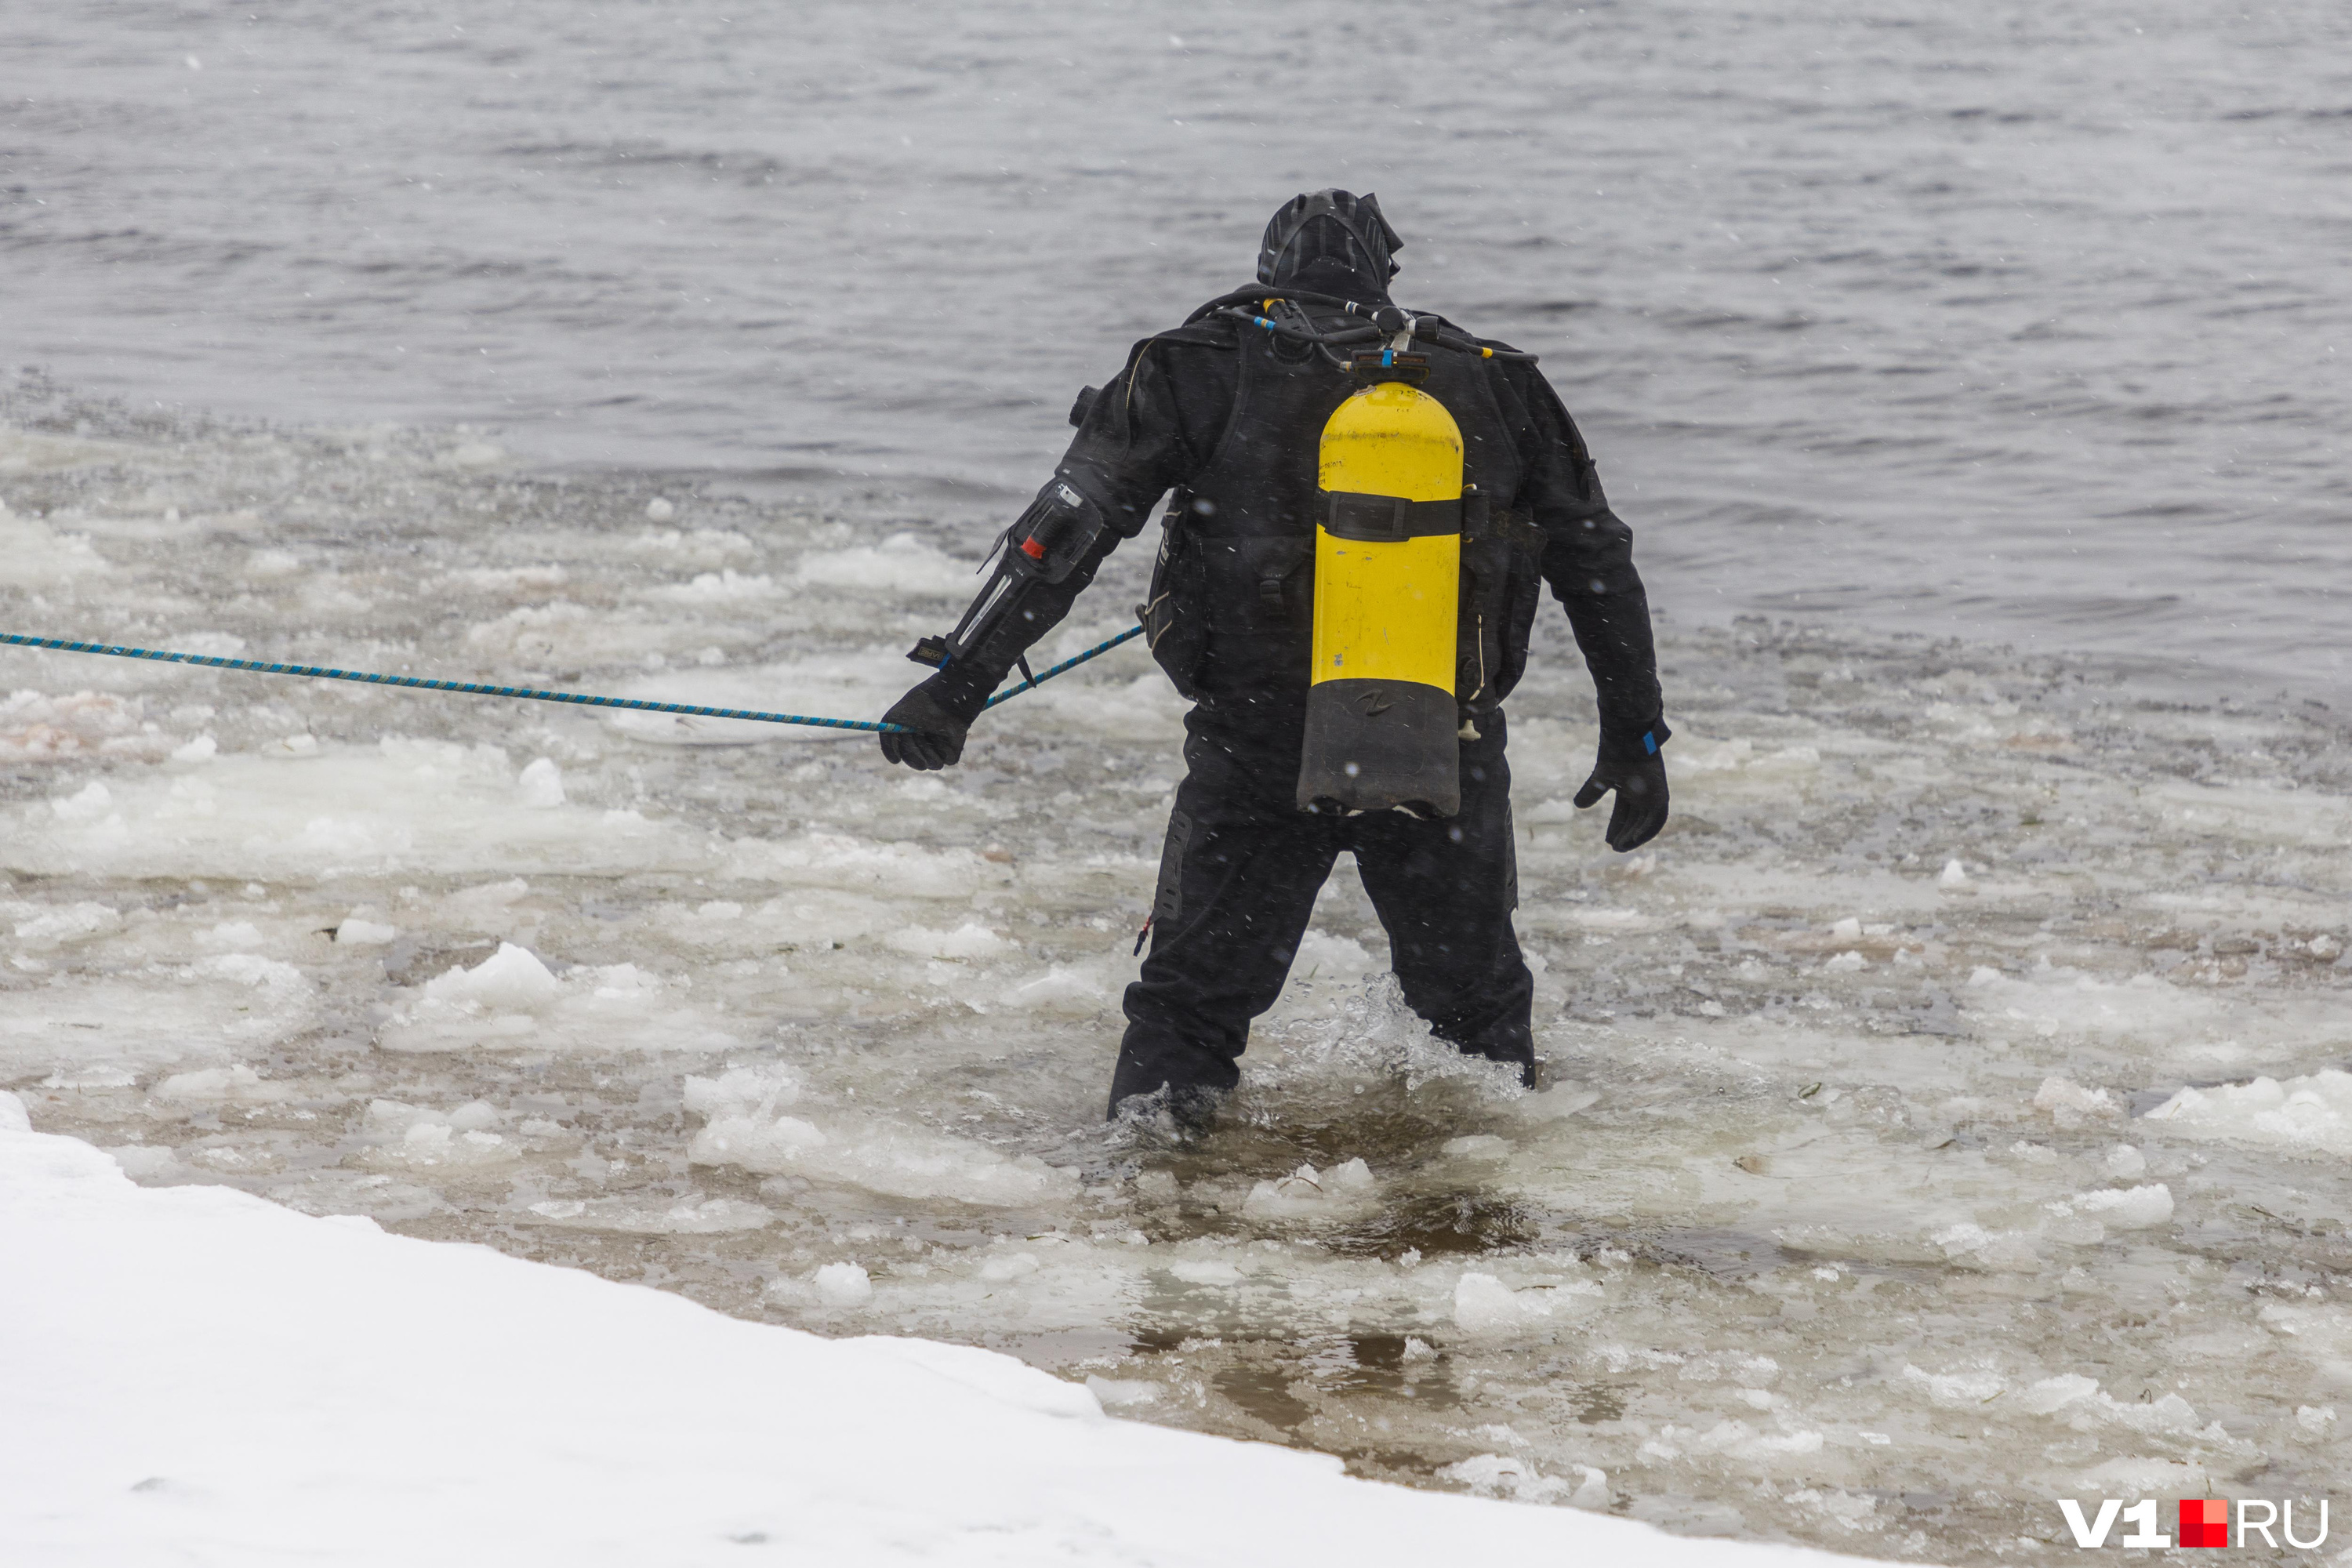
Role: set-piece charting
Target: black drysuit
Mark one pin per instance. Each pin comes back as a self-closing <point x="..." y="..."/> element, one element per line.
<point x="1229" y="419"/>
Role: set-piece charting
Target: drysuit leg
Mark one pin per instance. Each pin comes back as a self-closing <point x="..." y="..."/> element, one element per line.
<point x="1445" y="889"/>
<point x="1237" y="885"/>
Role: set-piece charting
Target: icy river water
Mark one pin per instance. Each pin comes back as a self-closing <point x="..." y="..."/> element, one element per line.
<point x="1948" y="1115"/>
<point x="2024" y="322"/>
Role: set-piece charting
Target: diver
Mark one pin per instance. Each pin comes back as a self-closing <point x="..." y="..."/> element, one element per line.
<point x="1363" y="503"/>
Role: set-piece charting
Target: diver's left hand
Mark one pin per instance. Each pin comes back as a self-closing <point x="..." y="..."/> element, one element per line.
<point x="1634" y="763"/>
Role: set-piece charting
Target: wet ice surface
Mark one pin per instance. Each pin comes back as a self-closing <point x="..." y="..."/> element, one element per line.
<point x="1949" y="1111"/>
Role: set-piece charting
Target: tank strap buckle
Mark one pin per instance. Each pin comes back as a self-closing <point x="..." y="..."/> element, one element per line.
<point x="1387" y="519"/>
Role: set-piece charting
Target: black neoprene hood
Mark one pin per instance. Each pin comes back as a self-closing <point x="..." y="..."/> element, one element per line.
<point x="1331" y="227"/>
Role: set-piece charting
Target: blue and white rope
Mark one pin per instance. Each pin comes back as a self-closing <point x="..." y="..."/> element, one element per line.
<point x="475" y="689"/>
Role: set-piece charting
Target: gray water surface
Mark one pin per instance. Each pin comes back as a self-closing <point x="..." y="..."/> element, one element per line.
<point x="2022" y="322"/>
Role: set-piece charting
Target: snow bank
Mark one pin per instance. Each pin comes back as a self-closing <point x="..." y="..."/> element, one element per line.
<point x="317" y="1388"/>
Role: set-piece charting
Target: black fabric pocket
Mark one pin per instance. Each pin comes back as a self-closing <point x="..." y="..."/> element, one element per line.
<point x="1173" y="624"/>
<point x="1501" y="589"/>
<point x="1253" y="586"/>
<point x="1168" y="898"/>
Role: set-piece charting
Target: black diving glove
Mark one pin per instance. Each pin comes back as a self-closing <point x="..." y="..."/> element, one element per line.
<point x="1634" y="763"/>
<point x="936" y="721"/>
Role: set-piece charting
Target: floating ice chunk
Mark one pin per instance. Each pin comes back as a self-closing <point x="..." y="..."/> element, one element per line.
<point x="721" y="588"/>
<point x="72" y="922"/>
<point x="862" y="864"/>
<point x="743" y="1092"/>
<point x="1999" y="1252"/>
<point x="1479" y="1146"/>
<point x="899" y="1162"/>
<point x="713" y="1217"/>
<point x="2053" y="1395"/>
<point x="1006" y="1267"/>
<point x="2130" y="1209"/>
<point x="969" y="940"/>
<point x="756" y="1144"/>
<point x="1954" y="875"/>
<point x="1307" y="1192"/>
<point x="1846" y="963"/>
<point x="540" y="786"/>
<point x="35" y="727"/>
<point x="1847" y="1510"/>
<point x="88" y="804"/>
<point x="89" y="1078"/>
<point x="511" y="980"/>
<point x="414" y="1135"/>
<point x="233" y="935"/>
<point x="1057" y="990"/>
<point x="1116" y="1392"/>
<point x="901" y="564"/>
<point x="2309" y="1112"/>
<point x="1484" y="1305"/>
<point x="1206" y="1272"/>
<point x="1730" y="1366"/>
<point x="1956" y="1390"/>
<point x="2069" y="1104"/>
<point x="13" y="1117"/>
<point x="844" y="1285"/>
<point x="2141" y="1477"/>
<point x="358" y="930"/>
<point x="469" y="907"/>
<point x="513" y="579"/>
<point x="246" y="969"/>
<point x="202" y="748"/>
<point x="2315" y="1419"/>
<point x="660" y="509"/>
<point x="1561" y="1100"/>
<point x="150" y="1162"/>
<point x="1498" y="1474"/>
<point x="2124" y="1162"/>
<point x="235" y="1083"/>
<point x="1847" y="929"/>
<point x="1736" y="1439"/>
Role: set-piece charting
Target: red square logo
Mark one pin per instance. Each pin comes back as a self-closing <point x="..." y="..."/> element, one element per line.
<point x="2205" y="1521"/>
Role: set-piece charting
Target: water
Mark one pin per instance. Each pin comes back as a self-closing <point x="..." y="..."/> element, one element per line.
<point x="1871" y="1199"/>
<point x="2018" y="322"/>
<point x="1861" y="1202"/>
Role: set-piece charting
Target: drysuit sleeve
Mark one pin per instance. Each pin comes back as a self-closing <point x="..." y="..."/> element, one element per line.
<point x="1151" y="427"/>
<point x="1587" y="556"/>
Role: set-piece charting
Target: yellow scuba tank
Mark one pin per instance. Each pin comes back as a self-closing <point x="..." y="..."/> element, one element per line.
<point x="1382" y="727"/>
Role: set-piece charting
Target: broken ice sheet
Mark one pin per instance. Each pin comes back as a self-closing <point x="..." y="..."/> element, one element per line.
<point x="2042" y="1186"/>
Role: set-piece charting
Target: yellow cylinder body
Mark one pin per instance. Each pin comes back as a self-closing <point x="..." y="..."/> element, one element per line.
<point x="1381" y="718"/>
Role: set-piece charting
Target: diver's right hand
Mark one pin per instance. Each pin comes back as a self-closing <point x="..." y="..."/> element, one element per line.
<point x="933" y="734"/>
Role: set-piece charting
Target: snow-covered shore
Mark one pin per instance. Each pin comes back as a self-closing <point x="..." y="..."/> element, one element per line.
<point x="197" y="1375"/>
